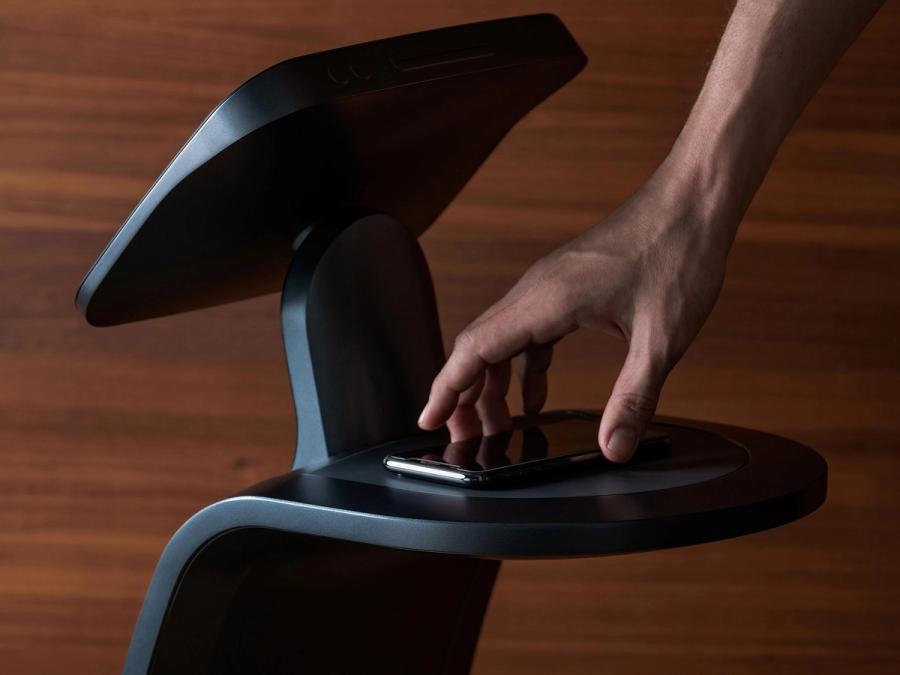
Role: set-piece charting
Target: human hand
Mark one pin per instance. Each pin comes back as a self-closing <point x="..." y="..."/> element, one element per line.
<point x="650" y="274"/>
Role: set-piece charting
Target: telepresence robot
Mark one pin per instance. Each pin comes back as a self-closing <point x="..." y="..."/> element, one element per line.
<point x="316" y="177"/>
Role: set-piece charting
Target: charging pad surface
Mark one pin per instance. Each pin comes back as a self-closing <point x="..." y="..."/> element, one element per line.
<point x="695" y="456"/>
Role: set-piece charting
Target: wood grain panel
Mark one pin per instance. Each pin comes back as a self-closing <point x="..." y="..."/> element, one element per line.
<point x="110" y="438"/>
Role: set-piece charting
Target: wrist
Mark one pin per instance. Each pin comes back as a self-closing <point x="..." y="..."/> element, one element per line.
<point x="703" y="193"/>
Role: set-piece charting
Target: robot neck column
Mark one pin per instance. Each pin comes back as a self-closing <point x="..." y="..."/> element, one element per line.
<point x="361" y="334"/>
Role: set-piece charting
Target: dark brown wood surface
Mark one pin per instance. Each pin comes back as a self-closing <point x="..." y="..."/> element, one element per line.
<point x="110" y="438"/>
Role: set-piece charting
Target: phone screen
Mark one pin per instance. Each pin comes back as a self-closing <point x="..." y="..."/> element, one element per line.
<point x="568" y="440"/>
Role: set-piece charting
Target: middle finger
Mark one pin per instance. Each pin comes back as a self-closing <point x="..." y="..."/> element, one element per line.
<point x="491" y="406"/>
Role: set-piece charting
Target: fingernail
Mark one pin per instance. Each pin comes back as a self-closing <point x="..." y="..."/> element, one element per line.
<point x="621" y="444"/>
<point x="422" y="415"/>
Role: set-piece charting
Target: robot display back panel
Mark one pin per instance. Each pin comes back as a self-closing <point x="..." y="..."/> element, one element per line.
<point x="112" y="438"/>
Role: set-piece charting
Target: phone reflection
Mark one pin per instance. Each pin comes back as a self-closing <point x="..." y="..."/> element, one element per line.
<point x="490" y="452"/>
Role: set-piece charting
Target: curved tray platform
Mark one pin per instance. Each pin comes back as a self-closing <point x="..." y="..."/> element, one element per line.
<point x="334" y="569"/>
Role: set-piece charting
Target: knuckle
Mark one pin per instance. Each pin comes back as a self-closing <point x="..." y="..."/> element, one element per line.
<point x="551" y="306"/>
<point x="559" y="291"/>
<point x="465" y="342"/>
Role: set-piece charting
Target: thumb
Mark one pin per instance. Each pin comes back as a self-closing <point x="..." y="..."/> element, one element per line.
<point x="631" y="405"/>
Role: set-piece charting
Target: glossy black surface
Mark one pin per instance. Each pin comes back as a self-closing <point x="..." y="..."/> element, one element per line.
<point x="693" y="456"/>
<point x="531" y="454"/>
<point x="396" y="126"/>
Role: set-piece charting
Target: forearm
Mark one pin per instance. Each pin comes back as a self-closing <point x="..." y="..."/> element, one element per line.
<point x="771" y="60"/>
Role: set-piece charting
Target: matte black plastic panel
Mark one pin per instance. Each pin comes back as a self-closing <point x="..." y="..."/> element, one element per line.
<point x="361" y="335"/>
<point x="396" y="126"/>
<point x="257" y="601"/>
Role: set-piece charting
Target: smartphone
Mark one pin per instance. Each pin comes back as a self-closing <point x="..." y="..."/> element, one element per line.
<point x="515" y="456"/>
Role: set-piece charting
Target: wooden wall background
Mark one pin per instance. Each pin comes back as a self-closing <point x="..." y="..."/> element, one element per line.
<point x="110" y="438"/>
